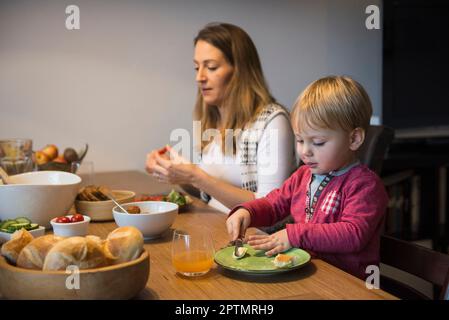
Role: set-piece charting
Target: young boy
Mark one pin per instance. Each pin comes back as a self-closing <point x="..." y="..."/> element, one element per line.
<point x="337" y="203"/>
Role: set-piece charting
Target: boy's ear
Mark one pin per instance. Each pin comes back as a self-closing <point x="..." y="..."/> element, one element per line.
<point x="357" y="137"/>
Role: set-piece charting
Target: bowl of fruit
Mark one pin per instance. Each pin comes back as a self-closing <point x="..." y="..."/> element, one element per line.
<point x="50" y="158"/>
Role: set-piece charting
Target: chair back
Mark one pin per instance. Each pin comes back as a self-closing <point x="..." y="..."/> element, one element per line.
<point x="429" y="265"/>
<point x="375" y="146"/>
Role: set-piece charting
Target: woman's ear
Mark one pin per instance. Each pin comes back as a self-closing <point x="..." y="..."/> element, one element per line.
<point x="357" y="137"/>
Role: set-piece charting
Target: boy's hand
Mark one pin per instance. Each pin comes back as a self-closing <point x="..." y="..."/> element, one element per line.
<point x="237" y="223"/>
<point x="275" y="243"/>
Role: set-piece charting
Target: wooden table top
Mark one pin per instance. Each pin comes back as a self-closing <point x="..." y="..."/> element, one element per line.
<point x="316" y="280"/>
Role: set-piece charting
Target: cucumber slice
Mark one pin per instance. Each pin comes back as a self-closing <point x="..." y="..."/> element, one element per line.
<point x="32" y="226"/>
<point x="7" y="223"/>
<point x="23" y="220"/>
<point x="20" y="225"/>
<point x="11" y="229"/>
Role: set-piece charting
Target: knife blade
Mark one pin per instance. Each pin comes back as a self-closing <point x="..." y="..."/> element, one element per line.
<point x="238" y="243"/>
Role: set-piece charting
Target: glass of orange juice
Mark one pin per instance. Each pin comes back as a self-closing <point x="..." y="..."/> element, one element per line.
<point x="192" y="252"/>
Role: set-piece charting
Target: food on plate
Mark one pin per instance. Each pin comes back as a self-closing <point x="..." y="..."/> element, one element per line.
<point x="51" y="151"/>
<point x="83" y="252"/>
<point x="151" y="198"/>
<point x="283" y="260"/>
<point x="174" y="196"/>
<point x="177" y="198"/>
<point x="11" y="226"/>
<point x="133" y="209"/>
<point x="241" y="251"/>
<point x="41" y="158"/>
<point x="70" y="155"/>
<point x="124" y="244"/>
<point x="93" y="193"/>
<point x="11" y="249"/>
<point x="33" y="254"/>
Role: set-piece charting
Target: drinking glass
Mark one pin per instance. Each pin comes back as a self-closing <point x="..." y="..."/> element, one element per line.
<point x="16" y="155"/>
<point x="85" y="170"/>
<point x="192" y="252"/>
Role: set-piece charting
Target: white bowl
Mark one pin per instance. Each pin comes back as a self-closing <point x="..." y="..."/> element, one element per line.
<point x="158" y="216"/>
<point x="39" y="196"/>
<point x="71" y="229"/>
<point x="6" y="236"/>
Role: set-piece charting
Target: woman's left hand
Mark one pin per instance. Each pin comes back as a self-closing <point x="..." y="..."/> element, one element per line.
<point x="275" y="243"/>
<point x="176" y="169"/>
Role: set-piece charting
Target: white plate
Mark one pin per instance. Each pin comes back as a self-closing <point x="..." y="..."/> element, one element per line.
<point x="5" y="236"/>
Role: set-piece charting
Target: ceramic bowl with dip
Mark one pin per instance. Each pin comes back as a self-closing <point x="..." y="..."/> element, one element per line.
<point x="154" y="219"/>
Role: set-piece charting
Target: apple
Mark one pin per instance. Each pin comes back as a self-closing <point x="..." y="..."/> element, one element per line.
<point x="60" y="159"/>
<point x="41" y="158"/>
<point x="51" y="151"/>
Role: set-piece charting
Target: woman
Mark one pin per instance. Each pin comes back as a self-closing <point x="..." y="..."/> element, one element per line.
<point x="257" y="154"/>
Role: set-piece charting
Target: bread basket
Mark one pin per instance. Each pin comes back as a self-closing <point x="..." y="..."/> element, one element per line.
<point x="121" y="281"/>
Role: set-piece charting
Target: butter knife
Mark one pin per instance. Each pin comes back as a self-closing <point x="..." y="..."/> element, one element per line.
<point x="238" y="243"/>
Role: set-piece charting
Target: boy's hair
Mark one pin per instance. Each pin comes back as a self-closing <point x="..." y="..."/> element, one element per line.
<point x="333" y="102"/>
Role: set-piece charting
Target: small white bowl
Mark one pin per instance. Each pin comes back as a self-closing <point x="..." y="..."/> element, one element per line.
<point x="71" y="229"/>
<point x="157" y="217"/>
<point x="6" y="236"/>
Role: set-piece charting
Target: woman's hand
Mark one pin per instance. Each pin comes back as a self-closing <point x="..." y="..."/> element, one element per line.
<point x="151" y="165"/>
<point x="275" y="243"/>
<point x="170" y="167"/>
<point x="237" y="223"/>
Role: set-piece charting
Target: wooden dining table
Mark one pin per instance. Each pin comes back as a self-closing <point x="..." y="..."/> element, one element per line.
<point x="316" y="280"/>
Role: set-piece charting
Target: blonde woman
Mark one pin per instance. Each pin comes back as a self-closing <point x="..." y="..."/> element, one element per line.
<point x="252" y="150"/>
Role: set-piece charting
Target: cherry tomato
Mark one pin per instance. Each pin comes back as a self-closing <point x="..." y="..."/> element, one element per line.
<point x="62" y="220"/>
<point x="77" y="218"/>
<point x="162" y="150"/>
<point x="151" y="198"/>
<point x="156" y="198"/>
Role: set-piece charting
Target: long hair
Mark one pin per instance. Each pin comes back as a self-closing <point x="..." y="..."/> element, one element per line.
<point x="247" y="91"/>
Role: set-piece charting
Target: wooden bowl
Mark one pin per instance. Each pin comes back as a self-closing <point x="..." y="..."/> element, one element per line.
<point x="122" y="281"/>
<point x="102" y="210"/>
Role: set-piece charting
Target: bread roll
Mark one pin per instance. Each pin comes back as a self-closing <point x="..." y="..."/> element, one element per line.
<point x="96" y="239"/>
<point x="85" y="253"/>
<point x="33" y="255"/>
<point x="12" y="248"/>
<point x="124" y="244"/>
